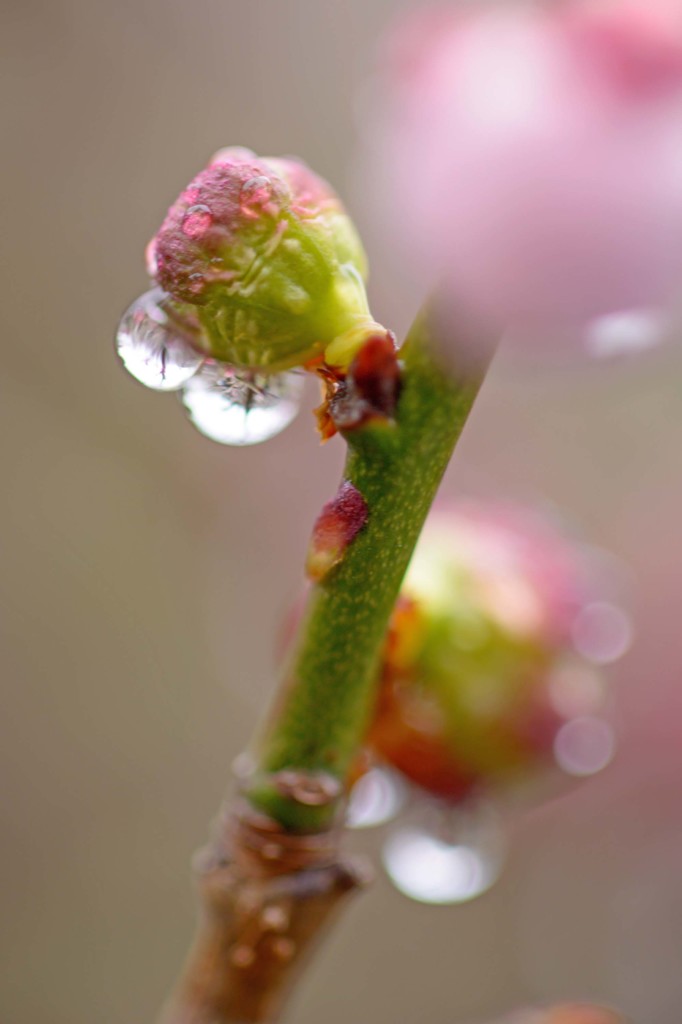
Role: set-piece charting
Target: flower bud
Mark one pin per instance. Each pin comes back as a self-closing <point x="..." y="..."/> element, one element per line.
<point x="264" y="250"/>
<point x="526" y="155"/>
<point x="480" y="673"/>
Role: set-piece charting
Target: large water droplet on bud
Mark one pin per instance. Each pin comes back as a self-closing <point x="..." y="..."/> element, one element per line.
<point x="242" y="407"/>
<point x="152" y="347"/>
<point x="445" y="854"/>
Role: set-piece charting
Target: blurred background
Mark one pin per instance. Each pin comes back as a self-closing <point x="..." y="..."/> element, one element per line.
<point x="146" y="570"/>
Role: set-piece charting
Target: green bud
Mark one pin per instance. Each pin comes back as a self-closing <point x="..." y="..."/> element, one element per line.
<point x="264" y="250"/>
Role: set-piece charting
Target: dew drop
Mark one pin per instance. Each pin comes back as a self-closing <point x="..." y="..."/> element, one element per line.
<point x="449" y="856"/>
<point x="196" y="283"/>
<point x="151" y="347"/>
<point x="584" y="746"/>
<point x="619" y="334"/>
<point x="312" y="789"/>
<point x="602" y="632"/>
<point x="242" y="407"/>
<point x="196" y="221"/>
<point x="377" y="797"/>
<point x="255" y="193"/>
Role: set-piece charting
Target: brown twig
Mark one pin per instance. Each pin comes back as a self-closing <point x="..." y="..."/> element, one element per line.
<point x="267" y="895"/>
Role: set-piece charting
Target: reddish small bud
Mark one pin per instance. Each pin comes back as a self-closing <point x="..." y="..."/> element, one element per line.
<point x="372" y="387"/>
<point x="337" y="526"/>
<point x="376" y="374"/>
<point x="368" y="392"/>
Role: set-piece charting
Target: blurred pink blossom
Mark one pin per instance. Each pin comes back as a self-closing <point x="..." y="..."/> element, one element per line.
<point x="532" y="156"/>
<point x="482" y="677"/>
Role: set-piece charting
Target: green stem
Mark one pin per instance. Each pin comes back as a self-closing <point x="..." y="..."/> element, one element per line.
<point x="330" y="683"/>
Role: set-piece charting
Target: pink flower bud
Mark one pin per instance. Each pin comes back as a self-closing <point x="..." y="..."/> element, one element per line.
<point x="480" y="671"/>
<point x="531" y="155"/>
<point x="264" y="250"/>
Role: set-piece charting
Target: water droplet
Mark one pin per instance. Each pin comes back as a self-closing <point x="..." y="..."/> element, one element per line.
<point x="255" y="193"/>
<point x="196" y="221"/>
<point x="151" y="346"/>
<point x="623" y="333"/>
<point x="242" y="407"/>
<point x="451" y="855"/>
<point x="312" y="789"/>
<point x="602" y="632"/>
<point x="377" y="797"/>
<point x="196" y="282"/>
<point x="584" y="746"/>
